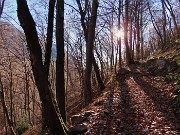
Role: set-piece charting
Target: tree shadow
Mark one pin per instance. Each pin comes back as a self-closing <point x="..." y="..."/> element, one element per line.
<point x="162" y="102"/>
<point x="128" y="124"/>
<point x="110" y="111"/>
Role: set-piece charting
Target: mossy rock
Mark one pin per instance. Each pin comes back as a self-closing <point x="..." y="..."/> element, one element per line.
<point x="177" y="90"/>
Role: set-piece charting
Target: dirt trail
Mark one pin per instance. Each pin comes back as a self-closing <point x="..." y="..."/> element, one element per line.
<point x="141" y="104"/>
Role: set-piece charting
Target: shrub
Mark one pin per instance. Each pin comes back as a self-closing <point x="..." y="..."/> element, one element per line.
<point x="22" y="125"/>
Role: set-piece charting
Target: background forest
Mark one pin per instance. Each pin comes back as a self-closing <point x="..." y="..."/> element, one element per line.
<point x="56" y="56"/>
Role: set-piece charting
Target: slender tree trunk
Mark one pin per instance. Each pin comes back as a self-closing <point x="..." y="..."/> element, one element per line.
<point x="11" y="92"/>
<point x="164" y="24"/>
<point x="89" y="53"/>
<point x="9" y="121"/>
<point x="60" y="86"/>
<point x="5" y="123"/>
<point x="96" y="69"/>
<point x="116" y="57"/>
<point x="129" y="60"/>
<point x="112" y="40"/>
<point x="130" y="35"/>
<point x="49" y="35"/>
<point x="154" y="24"/>
<point x="26" y="93"/>
<point x="86" y="32"/>
<point x="119" y="27"/>
<point x="50" y="108"/>
<point x="138" y="36"/>
<point x="141" y="31"/>
<point x="1" y="7"/>
<point x="173" y="16"/>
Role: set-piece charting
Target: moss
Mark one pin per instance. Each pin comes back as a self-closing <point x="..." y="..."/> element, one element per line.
<point x="116" y="83"/>
<point x="22" y="125"/>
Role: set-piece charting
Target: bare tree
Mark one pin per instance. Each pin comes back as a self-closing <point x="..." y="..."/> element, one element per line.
<point x="1" y="7"/>
<point x="89" y="53"/>
<point x="9" y="121"/>
<point x="170" y="9"/>
<point x="52" y="116"/>
<point x="60" y="85"/>
<point x="129" y="59"/>
<point x="164" y="23"/>
<point x="119" y="27"/>
<point x="85" y="27"/>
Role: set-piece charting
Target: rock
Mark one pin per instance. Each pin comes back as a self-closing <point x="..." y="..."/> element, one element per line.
<point x="121" y="133"/>
<point x="160" y="66"/>
<point x="77" y="119"/>
<point x="124" y="71"/>
<point x="99" y="103"/>
<point x="78" y="129"/>
<point x="88" y="113"/>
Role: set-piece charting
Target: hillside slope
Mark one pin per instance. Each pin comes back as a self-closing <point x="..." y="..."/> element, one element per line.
<point x="141" y="101"/>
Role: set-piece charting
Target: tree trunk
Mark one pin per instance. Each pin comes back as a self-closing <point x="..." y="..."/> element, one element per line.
<point x="130" y="34"/>
<point x="96" y="69"/>
<point x="49" y="35"/>
<point x="173" y="17"/>
<point x="141" y="30"/>
<point x="49" y="106"/>
<point x="119" y="27"/>
<point x="154" y="23"/>
<point x="60" y="86"/>
<point x="112" y="40"/>
<point x="86" y="32"/>
<point x="89" y="53"/>
<point x="9" y="121"/>
<point x="138" y="35"/>
<point x="11" y="92"/>
<point x="164" y="24"/>
<point x="129" y="60"/>
<point x="1" y="7"/>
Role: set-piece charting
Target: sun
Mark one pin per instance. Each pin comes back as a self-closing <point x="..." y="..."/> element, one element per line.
<point x="119" y="34"/>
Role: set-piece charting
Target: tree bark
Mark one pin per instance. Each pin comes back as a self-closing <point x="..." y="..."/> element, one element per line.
<point x="98" y="76"/>
<point x="119" y="27"/>
<point x="60" y="85"/>
<point x="89" y="53"/>
<point x="112" y="40"/>
<point x="141" y="30"/>
<point x="138" y="32"/>
<point x="86" y="32"/>
<point x="1" y="7"/>
<point x="129" y="60"/>
<point x="49" y="105"/>
<point x="49" y="35"/>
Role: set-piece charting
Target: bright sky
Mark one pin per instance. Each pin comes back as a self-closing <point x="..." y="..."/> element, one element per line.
<point x="10" y="9"/>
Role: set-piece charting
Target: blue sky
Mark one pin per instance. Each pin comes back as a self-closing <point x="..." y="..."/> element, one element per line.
<point x="10" y="9"/>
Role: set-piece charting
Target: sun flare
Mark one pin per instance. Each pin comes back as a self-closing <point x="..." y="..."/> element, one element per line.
<point x="119" y="33"/>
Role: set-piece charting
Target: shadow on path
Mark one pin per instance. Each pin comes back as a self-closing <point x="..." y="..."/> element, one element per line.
<point x="162" y="102"/>
<point x="128" y="124"/>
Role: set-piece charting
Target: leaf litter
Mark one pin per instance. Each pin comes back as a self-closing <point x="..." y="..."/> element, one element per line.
<point x="141" y="105"/>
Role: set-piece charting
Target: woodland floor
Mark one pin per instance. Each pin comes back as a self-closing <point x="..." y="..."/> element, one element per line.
<point x="138" y="104"/>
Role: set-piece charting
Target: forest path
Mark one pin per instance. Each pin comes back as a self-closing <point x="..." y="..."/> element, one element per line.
<point x="139" y="104"/>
